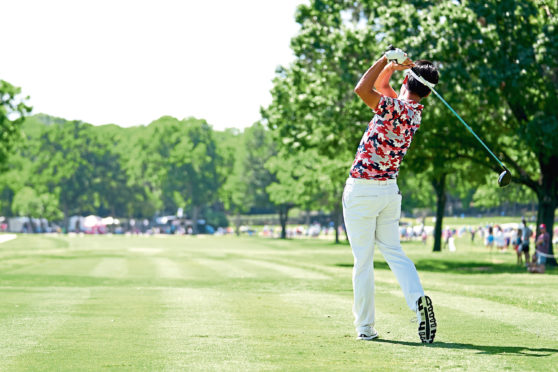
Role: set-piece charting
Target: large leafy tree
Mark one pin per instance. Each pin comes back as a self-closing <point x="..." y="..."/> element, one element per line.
<point x="500" y="56"/>
<point x="248" y="177"/>
<point x="144" y="171"/>
<point x="27" y="202"/>
<point x="183" y="165"/>
<point x="314" y="106"/>
<point x="118" y="194"/>
<point x="307" y="180"/>
<point x="73" y="162"/>
<point x="496" y="58"/>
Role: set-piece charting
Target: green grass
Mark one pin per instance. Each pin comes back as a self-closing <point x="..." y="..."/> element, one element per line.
<point x="119" y="303"/>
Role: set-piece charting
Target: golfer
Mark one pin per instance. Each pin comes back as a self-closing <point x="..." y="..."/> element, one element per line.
<point x="371" y="198"/>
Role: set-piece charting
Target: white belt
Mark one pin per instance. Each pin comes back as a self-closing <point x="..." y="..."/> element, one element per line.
<point x="364" y="181"/>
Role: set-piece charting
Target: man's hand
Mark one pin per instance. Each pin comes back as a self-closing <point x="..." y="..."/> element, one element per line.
<point x="400" y="67"/>
<point x="396" y="54"/>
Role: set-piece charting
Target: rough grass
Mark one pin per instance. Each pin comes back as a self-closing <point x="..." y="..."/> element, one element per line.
<point x="225" y="303"/>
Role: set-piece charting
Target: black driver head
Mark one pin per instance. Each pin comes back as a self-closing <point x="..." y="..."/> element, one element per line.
<point x="505" y="178"/>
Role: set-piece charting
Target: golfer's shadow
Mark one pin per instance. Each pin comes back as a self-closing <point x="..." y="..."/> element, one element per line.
<point x="483" y="349"/>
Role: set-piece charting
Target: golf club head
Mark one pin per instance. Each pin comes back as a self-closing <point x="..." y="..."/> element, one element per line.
<point x="505" y="178"/>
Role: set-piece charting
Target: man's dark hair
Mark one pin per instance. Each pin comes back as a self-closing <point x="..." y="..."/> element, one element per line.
<point x="428" y="71"/>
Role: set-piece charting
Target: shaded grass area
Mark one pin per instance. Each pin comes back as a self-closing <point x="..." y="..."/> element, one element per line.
<point x="223" y="303"/>
<point x="482" y="349"/>
<point x="461" y="267"/>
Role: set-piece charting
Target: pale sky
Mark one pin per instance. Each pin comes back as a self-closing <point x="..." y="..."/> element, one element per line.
<point x="129" y="62"/>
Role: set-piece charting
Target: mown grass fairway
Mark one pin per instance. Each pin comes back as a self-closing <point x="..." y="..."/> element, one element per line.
<point x="210" y="303"/>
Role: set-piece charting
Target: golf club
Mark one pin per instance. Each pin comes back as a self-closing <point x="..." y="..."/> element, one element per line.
<point x="505" y="177"/>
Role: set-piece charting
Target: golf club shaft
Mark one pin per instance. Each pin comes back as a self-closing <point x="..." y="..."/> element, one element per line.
<point x="422" y="80"/>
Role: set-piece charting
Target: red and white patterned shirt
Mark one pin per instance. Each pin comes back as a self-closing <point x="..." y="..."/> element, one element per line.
<point x="387" y="139"/>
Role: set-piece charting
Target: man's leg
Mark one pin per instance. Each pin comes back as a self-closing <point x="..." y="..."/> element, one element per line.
<point x="360" y="223"/>
<point x="387" y="237"/>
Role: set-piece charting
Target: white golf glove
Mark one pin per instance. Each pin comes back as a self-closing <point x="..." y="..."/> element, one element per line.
<point x="396" y="55"/>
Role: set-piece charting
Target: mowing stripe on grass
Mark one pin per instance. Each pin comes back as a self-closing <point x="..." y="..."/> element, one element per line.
<point x="293" y="328"/>
<point x="288" y="271"/>
<point x="146" y="251"/>
<point x="30" y="319"/>
<point x="227" y="269"/>
<point x="55" y="266"/>
<point x="330" y="271"/>
<point x="197" y="332"/>
<point x="332" y="312"/>
<point x="111" y="329"/>
<point x="167" y="268"/>
<point x="111" y="268"/>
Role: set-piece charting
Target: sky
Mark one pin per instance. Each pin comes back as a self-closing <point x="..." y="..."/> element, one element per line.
<point x="131" y="62"/>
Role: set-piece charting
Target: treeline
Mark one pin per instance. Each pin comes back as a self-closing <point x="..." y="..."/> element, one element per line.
<point x="61" y="168"/>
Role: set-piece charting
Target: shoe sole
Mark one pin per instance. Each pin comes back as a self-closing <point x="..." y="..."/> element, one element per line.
<point x="368" y="338"/>
<point x="427" y="326"/>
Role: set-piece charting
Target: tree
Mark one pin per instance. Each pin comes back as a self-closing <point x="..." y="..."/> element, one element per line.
<point x="13" y="109"/>
<point x="487" y="53"/>
<point x="246" y="185"/>
<point x="503" y="53"/>
<point x="181" y="161"/>
<point x="27" y="203"/>
<point x="489" y="197"/>
<point x="308" y="180"/>
<point x="65" y="166"/>
<point x="117" y="196"/>
<point x="144" y="171"/>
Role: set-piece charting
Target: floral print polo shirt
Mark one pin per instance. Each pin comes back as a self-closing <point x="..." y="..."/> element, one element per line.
<point x="387" y="139"/>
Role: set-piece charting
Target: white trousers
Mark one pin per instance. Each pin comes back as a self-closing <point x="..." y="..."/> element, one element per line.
<point x="372" y="210"/>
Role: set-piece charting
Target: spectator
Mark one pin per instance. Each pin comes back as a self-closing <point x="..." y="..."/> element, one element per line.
<point x="542" y="250"/>
<point x="525" y="237"/>
<point x="499" y="239"/>
<point x="517" y="246"/>
<point x="490" y="238"/>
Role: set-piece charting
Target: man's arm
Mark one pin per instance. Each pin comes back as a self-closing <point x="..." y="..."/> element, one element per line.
<point x="382" y="83"/>
<point x="365" y="87"/>
<point x="378" y="76"/>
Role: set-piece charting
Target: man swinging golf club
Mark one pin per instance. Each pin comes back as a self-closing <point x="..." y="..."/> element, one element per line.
<point x="371" y="199"/>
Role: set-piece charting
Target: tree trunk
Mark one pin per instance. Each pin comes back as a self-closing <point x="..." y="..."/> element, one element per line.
<point x="439" y="184"/>
<point x="66" y="219"/>
<point x="31" y="227"/>
<point x="283" y="217"/>
<point x="336" y="221"/>
<point x="547" y="198"/>
<point x="195" y="216"/>
<point x="237" y="222"/>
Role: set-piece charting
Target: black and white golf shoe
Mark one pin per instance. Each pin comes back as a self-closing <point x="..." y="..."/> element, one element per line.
<point x="426" y="319"/>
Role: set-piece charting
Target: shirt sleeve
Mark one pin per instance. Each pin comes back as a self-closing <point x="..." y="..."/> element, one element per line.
<point x="388" y="106"/>
<point x="385" y="105"/>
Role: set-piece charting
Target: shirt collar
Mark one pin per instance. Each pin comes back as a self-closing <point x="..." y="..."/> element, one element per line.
<point x="414" y="104"/>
